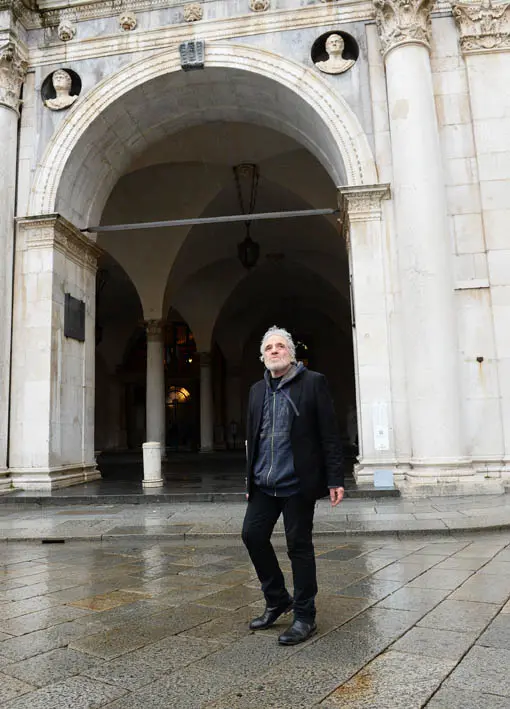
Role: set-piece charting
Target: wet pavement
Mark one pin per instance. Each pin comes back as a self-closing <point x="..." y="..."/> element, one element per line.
<point x="149" y="624"/>
<point x="24" y="520"/>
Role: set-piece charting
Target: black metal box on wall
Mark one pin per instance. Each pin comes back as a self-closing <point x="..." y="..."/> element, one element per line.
<point x="74" y="318"/>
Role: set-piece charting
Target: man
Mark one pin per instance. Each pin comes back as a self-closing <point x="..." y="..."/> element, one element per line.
<point x="293" y="455"/>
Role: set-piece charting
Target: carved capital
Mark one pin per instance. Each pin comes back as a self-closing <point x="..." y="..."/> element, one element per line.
<point x="483" y="27"/>
<point x="403" y="22"/>
<point x="51" y="231"/>
<point x="13" y="69"/>
<point x="363" y="204"/>
<point x="155" y="329"/>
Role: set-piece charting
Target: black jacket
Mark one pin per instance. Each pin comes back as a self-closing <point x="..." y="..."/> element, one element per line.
<point x="315" y="441"/>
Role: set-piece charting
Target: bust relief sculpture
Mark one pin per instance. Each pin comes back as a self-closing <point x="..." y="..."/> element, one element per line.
<point x="335" y="64"/>
<point x="62" y="82"/>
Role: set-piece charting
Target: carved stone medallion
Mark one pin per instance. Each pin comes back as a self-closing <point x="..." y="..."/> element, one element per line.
<point x="483" y="26"/>
<point x="403" y="22"/>
<point x="127" y="21"/>
<point x="66" y="31"/>
<point x="259" y="5"/>
<point x="13" y="70"/>
<point x="193" y="12"/>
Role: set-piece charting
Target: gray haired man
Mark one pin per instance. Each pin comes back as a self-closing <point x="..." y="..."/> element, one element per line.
<point x="294" y="455"/>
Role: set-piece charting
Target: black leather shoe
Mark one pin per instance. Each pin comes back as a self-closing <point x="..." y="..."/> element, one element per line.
<point x="298" y="632"/>
<point x="270" y="616"/>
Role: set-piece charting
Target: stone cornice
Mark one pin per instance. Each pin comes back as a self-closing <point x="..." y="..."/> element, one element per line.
<point x="53" y="231"/>
<point x="483" y="27"/>
<point x="403" y="22"/>
<point x="13" y="69"/>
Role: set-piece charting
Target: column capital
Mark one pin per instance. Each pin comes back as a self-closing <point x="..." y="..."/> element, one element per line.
<point x="402" y="22"/>
<point x="13" y="69"/>
<point x="483" y="26"/>
<point x="155" y="330"/>
<point x="53" y="231"/>
<point x="362" y="204"/>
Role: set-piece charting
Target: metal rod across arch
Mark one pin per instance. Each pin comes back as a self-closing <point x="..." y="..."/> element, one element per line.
<point x="212" y="220"/>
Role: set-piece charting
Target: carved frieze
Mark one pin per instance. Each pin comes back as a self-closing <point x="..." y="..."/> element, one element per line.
<point x="361" y="204"/>
<point x="403" y="22"/>
<point x="483" y="26"/>
<point x="13" y="70"/>
<point x="154" y="329"/>
<point x="193" y="12"/>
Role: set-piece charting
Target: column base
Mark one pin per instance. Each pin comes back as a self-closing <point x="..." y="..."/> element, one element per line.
<point x="153" y="483"/>
<point x="52" y="478"/>
<point x="449" y="477"/>
<point x="5" y="481"/>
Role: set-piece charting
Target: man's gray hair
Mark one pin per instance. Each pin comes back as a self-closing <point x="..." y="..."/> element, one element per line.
<point x="282" y="332"/>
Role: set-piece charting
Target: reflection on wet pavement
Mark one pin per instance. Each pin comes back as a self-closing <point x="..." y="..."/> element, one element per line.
<point x="149" y="624"/>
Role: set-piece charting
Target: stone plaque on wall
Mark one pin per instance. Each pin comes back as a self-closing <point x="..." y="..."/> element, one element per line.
<point x="74" y="318"/>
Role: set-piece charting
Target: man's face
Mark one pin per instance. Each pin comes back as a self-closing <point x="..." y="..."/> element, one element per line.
<point x="277" y="355"/>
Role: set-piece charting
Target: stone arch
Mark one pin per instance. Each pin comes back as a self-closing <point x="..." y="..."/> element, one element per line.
<point x="340" y="142"/>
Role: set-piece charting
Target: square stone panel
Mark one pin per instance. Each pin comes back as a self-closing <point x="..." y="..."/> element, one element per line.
<point x="74" y="693"/>
<point x="174" y="653"/>
<point x="462" y="616"/>
<point x="50" y="666"/>
<point x="126" y="671"/>
<point x="373" y="589"/>
<point x="413" y="599"/>
<point x="484" y="669"/>
<point x="10" y="687"/>
<point x="497" y="634"/>
<point x="484" y="589"/>
<point x="447" y="579"/>
<point x="107" y="601"/>
<point x="394" y="679"/>
<point x="457" y="698"/>
<point x="232" y="598"/>
<point x="435" y="643"/>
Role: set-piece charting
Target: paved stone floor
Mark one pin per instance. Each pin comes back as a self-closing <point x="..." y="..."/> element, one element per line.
<point x="152" y="624"/>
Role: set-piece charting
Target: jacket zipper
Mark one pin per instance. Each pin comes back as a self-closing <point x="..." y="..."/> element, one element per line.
<point x="272" y="442"/>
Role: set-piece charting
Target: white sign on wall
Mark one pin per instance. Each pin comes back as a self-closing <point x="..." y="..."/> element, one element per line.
<point x="380" y="426"/>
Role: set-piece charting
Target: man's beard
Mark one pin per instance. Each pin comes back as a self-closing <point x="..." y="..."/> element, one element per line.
<point x="277" y="365"/>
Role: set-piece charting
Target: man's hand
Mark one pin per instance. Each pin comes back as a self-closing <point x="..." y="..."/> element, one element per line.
<point x="336" y="495"/>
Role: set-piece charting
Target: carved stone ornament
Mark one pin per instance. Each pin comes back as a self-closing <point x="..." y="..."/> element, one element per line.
<point x="13" y="70"/>
<point x="403" y="22"/>
<point x="66" y="31"/>
<point x="193" y="12"/>
<point x="62" y="84"/>
<point x="483" y="26"/>
<point x="154" y="330"/>
<point x="259" y="5"/>
<point x="127" y="21"/>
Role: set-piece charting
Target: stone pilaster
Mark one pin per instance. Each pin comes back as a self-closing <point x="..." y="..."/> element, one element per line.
<point x="53" y="378"/>
<point x="12" y="73"/>
<point x="363" y="230"/>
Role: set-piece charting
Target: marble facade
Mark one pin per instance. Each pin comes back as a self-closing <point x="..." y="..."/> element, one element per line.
<point x="414" y="137"/>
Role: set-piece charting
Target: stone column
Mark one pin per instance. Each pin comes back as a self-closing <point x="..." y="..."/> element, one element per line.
<point x="12" y="74"/>
<point x="206" y="404"/>
<point x="424" y="245"/>
<point x="371" y="307"/>
<point x="53" y="355"/>
<point x="155" y="407"/>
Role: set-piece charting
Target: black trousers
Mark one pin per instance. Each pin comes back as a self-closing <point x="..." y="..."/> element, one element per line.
<point x="261" y="516"/>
